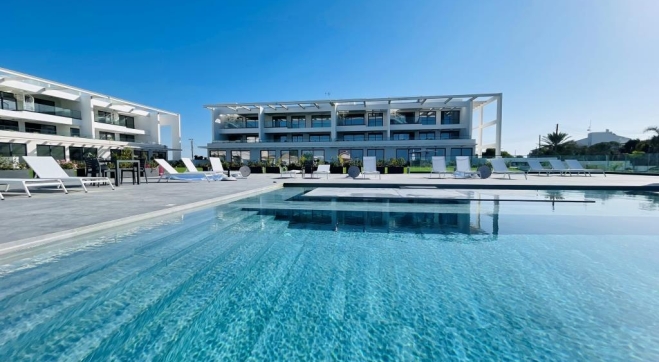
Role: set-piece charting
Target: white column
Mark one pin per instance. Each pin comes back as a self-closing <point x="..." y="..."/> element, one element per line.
<point x="479" y="149"/>
<point x="261" y="123"/>
<point x="87" y="116"/>
<point x="334" y="122"/>
<point x="387" y="123"/>
<point x="499" y="121"/>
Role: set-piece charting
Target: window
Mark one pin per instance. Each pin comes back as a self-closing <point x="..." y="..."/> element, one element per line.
<point x="428" y="118"/>
<point x="297" y="138"/>
<point x="289" y="157"/>
<point x="57" y="152"/>
<point x="13" y="149"/>
<point x="353" y="137"/>
<point x="277" y="121"/>
<point x="8" y="101"/>
<point x="252" y="139"/>
<point x="159" y="154"/>
<point x="80" y="153"/>
<point x="251" y="121"/>
<point x="40" y="128"/>
<point x="74" y="132"/>
<point x="351" y="155"/>
<point x="240" y="156"/>
<point x="402" y="136"/>
<point x="402" y="118"/>
<point x="106" y="135"/>
<point x="321" y="121"/>
<point x="375" y="119"/>
<point x="427" y="135"/>
<point x="8" y="125"/>
<point x="104" y="117"/>
<point x="218" y="153"/>
<point x="435" y="152"/>
<point x="351" y="120"/>
<point x="449" y="135"/>
<point x="298" y="122"/>
<point x="319" y="138"/>
<point x="126" y="121"/>
<point x="317" y="154"/>
<point x="280" y="138"/>
<point x="402" y="153"/>
<point x="414" y="157"/>
<point x="462" y="152"/>
<point x="379" y="154"/>
<point x="268" y="156"/>
<point x="126" y="138"/>
<point x="450" y="117"/>
<point x="375" y="136"/>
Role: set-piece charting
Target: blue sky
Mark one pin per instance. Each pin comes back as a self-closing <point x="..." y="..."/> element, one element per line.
<point x="556" y="61"/>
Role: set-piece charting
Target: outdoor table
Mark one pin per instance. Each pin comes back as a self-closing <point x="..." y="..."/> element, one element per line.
<point x="117" y="177"/>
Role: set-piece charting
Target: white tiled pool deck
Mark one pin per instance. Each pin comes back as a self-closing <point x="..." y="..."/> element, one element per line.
<point x="49" y="214"/>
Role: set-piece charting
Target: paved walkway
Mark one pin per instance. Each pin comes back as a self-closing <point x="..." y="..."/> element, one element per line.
<point x="48" y="212"/>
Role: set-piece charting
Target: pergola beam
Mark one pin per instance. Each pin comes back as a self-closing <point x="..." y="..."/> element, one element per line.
<point x="448" y="100"/>
<point x="283" y="106"/>
<point x="273" y="107"/>
<point x="301" y="106"/>
<point x="317" y="106"/>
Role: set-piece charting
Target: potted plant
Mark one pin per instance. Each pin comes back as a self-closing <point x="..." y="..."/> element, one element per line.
<point x="71" y="168"/>
<point x="10" y="167"/>
<point x="396" y="166"/>
<point x="272" y="167"/>
<point x="336" y="166"/>
<point x="379" y="166"/>
<point x="255" y="166"/>
<point x="81" y="169"/>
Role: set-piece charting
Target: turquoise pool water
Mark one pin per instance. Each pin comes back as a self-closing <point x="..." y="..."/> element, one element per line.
<point x="276" y="277"/>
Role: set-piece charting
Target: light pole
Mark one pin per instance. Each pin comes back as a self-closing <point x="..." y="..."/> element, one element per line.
<point x="191" y="147"/>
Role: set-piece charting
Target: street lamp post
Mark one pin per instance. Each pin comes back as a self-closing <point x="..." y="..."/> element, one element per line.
<point x="191" y="147"/>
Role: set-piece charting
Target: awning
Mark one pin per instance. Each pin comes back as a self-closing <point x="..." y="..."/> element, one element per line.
<point x="28" y="87"/>
<point x="121" y="108"/>
<point x="103" y="103"/>
<point x="139" y="112"/>
<point x="61" y="94"/>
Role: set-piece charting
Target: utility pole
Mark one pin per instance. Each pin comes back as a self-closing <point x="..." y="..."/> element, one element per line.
<point x="191" y="147"/>
<point x="539" y="143"/>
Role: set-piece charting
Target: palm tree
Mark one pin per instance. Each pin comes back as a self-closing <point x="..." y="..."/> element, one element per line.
<point x="555" y="139"/>
<point x="654" y="140"/>
<point x="654" y="129"/>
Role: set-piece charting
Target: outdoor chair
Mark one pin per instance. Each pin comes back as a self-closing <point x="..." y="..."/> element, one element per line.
<point x="576" y="165"/>
<point x="45" y="167"/>
<point x="536" y="167"/>
<point x="31" y="182"/>
<point x="216" y="165"/>
<point x="170" y="173"/>
<point x="559" y="166"/>
<point x="323" y="170"/>
<point x="463" y="167"/>
<point x="370" y="167"/>
<point x="499" y="167"/>
<point x="189" y="165"/>
<point x="438" y="166"/>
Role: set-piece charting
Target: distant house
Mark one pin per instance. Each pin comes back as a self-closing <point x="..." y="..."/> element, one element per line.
<point x="599" y="137"/>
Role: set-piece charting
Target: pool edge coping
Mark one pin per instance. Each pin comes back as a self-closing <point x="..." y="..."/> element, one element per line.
<point x="40" y="240"/>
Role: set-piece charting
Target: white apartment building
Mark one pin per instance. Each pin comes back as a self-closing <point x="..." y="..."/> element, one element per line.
<point x="414" y="128"/>
<point x="600" y="137"/>
<point x="39" y="117"/>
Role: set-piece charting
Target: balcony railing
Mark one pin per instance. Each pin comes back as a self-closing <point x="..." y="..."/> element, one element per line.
<point x="239" y="124"/>
<point x="57" y="111"/>
<point x="116" y="122"/>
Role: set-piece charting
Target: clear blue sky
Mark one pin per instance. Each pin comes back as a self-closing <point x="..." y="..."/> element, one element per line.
<point x="556" y="61"/>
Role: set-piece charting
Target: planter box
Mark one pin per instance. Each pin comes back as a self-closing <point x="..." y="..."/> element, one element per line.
<point x="81" y="172"/>
<point x="380" y="170"/>
<point x="270" y="169"/>
<point x="15" y="174"/>
<point x="395" y="170"/>
<point x="256" y="169"/>
<point x="335" y="169"/>
<point x="72" y="173"/>
<point x="290" y="168"/>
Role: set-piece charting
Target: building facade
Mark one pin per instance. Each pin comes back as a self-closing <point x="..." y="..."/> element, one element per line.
<point x="413" y="128"/>
<point x="39" y="117"/>
<point x="600" y="137"/>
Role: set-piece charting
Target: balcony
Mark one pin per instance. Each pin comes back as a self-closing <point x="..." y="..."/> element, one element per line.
<point x="239" y="124"/>
<point x="57" y="111"/>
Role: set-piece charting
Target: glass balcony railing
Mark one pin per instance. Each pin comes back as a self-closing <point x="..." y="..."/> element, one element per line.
<point x="239" y="124"/>
<point x="57" y="111"/>
<point x="128" y="123"/>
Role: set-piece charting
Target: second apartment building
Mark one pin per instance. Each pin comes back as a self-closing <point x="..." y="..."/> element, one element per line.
<point x="412" y="128"/>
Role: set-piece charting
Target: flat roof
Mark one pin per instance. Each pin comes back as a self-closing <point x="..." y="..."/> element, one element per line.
<point x="476" y="97"/>
<point x="93" y="94"/>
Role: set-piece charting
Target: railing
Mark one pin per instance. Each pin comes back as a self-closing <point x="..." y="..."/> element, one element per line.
<point x="57" y="111"/>
<point x="239" y="124"/>
<point x="115" y="122"/>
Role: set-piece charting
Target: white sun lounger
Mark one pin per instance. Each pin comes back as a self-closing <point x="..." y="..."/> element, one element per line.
<point x="463" y="166"/>
<point x="499" y="167"/>
<point x="216" y="165"/>
<point x="171" y="173"/>
<point x="47" y="168"/>
<point x="536" y="167"/>
<point x="193" y="169"/>
<point x="31" y="182"/>
<point x="323" y="170"/>
<point x="438" y="166"/>
<point x="370" y="167"/>
<point x="290" y="173"/>
<point x="574" y="165"/>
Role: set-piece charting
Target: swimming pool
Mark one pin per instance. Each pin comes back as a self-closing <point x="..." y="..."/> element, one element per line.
<point x="283" y="277"/>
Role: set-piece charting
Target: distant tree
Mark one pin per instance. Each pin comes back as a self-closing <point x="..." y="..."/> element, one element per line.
<point x="555" y="140"/>
<point x="654" y="129"/>
<point x="653" y="142"/>
<point x="491" y="153"/>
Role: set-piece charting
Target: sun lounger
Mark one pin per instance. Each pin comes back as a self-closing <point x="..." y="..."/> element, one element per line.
<point x="216" y="165"/>
<point x="370" y="167"/>
<point x="283" y="171"/>
<point x="31" y="182"/>
<point x="191" y="168"/>
<point x="463" y="167"/>
<point x="499" y="167"/>
<point x="536" y="167"/>
<point x="575" y="165"/>
<point x="438" y="166"/>
<point x="171" y="173"/>
<point x="323" y="170"/>
<point x="45" y="167"/>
